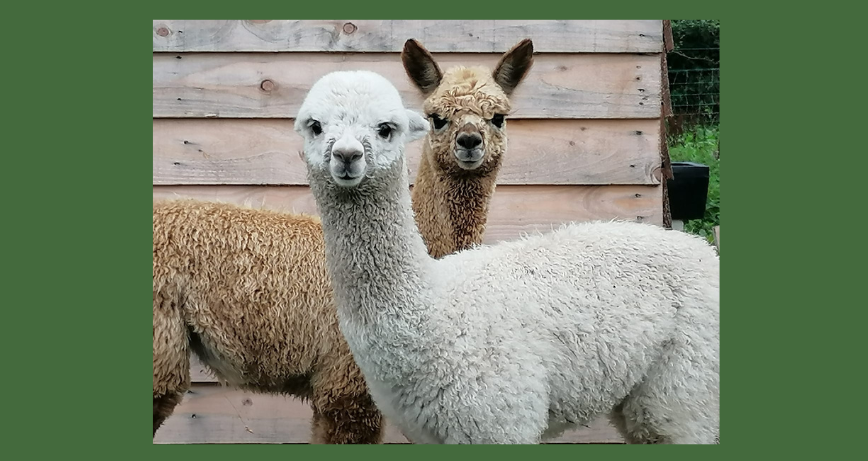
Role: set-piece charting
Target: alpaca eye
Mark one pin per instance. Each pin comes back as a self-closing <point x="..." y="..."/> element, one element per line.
<point x="438" y="122"/>
<point x="384" y="130"/>
<point x="497" y="120"/>
<point x="316" y="128"/>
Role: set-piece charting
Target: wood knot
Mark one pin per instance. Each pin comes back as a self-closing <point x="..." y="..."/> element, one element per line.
<point x="349" y="28"/>
<point x="267" y="85"/>
<point x="163" y="31"/>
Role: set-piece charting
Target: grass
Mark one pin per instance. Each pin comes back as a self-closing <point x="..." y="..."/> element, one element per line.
<point x="700" y="145"/>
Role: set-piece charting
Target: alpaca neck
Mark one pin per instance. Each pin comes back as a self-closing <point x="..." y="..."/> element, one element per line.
<point x="374" y="252"/>
<point x="451" y="207"/>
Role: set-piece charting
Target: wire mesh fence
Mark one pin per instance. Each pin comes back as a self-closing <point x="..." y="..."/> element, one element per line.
<point x="694" y="87"/>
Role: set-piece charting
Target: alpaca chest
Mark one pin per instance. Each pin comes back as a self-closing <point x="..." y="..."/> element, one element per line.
<point x="404" y="413"/>
<point x="392" y="379"/>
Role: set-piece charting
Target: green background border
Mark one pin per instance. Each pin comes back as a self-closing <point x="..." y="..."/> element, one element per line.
<point x="78" y="172"/>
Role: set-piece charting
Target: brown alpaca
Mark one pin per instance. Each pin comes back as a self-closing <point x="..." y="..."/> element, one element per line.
<point x="247" y="290"/>
<point x="462" y="154"/>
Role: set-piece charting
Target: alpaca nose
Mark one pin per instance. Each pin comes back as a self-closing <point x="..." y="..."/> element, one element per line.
<point x="347" y="155"/>
<point x="469" y="140"/>
<point x="347" y="149"/>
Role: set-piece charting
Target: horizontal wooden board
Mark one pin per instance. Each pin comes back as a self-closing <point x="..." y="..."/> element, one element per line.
<point x="514" y="210"/>
<point x="244" y="151"/>
<point x="573" y="36"/>
<point x="212" y="413"/>
<point x="259" y="85"/>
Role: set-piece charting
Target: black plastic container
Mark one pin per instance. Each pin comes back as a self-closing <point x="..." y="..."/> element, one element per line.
<point x="688" y="191"/>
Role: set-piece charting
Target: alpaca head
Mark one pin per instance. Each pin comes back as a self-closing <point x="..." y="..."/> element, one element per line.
<point x="467" y="106"/>
<point x="354" y="124"/>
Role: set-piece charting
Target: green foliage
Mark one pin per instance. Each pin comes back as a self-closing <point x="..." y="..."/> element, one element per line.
<point x="700" y="145"/>
<point x="696" y="33"/>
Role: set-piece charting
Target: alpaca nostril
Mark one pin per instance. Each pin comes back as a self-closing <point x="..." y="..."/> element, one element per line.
<point x="469" y="141"/>
<point x="347" y="156"/>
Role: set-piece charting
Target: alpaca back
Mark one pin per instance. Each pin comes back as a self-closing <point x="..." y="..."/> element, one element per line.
<point x="253" y="287"/>
<point x="585" y="268"/>
<point x="601" y="298"/>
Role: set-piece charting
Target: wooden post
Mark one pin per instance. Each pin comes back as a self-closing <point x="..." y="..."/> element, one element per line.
<point x="717" y="237"/>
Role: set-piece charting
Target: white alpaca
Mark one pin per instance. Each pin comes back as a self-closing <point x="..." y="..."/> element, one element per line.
<point x="515" y="342"/>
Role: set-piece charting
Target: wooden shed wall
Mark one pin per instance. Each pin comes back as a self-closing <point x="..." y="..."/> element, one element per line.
<point x="584" y="142"/>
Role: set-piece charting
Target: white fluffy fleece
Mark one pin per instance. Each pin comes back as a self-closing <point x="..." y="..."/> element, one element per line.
<point x="514" y="342"/>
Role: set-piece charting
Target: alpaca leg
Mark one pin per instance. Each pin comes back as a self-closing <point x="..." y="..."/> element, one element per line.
<point x="171" y="358"/>
<point x="658" y="423"/>
<point x="678" y="402"/>
<point x="616" y="417"/>
<point x="347" y="419"/>
<point x="343" y="411"/>
<point x="164" y="405"/>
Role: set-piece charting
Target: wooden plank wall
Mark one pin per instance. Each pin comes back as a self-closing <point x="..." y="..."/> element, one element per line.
<point x="584" y="143"/>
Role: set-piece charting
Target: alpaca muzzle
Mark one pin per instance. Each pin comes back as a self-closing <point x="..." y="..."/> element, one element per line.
<point x="469" y="159"/>
<point x="347" y="161"/>
<point x="469" y="149"/>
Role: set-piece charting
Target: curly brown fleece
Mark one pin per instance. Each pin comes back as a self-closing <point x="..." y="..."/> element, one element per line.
<point x="467" y="100"/>
<point x="247" y="290"/>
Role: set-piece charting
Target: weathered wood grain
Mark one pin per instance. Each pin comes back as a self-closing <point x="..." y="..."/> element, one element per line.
<point x="259" y="85"/>
<point x="266" y="152"/>
<point x="514" y="210"/>
<point x="212" y="413"/>
<point x="576" y="36"/>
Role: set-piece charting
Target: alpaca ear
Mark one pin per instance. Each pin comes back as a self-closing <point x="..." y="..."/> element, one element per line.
<point x="513" y="66"/>
<point x="420" y="67"/>
<point x="419" y="126"/>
